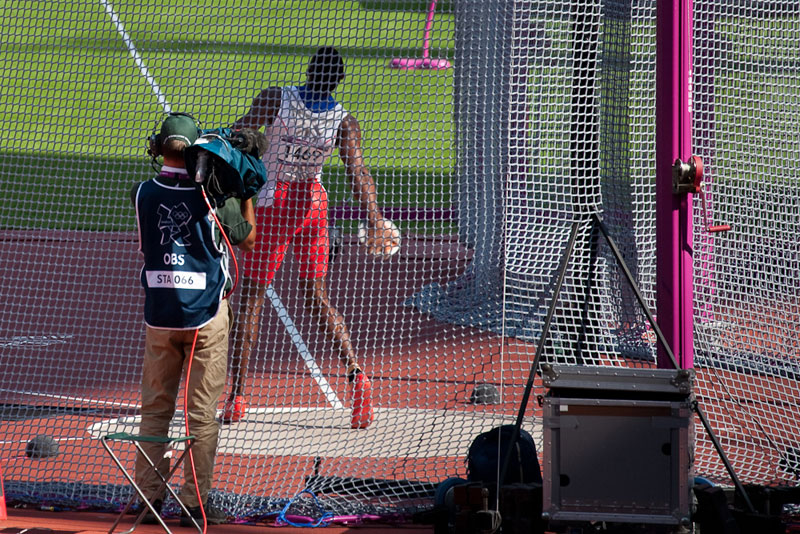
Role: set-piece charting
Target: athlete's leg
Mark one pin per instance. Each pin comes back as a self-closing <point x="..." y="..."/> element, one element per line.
<point x="273" y="235"/>
<point x="311" y="250"/>
<point x="329" y="320"/>
<point x="332" y="323"/>
<point x="246" y="331"/>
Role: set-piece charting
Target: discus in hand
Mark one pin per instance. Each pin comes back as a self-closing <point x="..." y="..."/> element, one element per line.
<point x="381" y="239"/>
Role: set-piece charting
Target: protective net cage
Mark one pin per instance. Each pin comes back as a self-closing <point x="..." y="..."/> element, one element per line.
<point x="489" y="128"/>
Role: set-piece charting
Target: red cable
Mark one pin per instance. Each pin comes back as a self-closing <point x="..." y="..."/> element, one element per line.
<point x="191" y="357"/>
<point x="186" y="423"/>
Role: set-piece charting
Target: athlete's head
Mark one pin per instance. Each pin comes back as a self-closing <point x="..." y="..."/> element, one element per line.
<point x="325" y="71"/>
<point x="177" y="132"/>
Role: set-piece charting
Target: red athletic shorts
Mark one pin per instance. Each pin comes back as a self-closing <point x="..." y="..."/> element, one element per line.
<point x="298" y="216"/>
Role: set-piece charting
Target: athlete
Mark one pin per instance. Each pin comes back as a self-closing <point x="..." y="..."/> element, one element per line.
<point x="304" y="124"/>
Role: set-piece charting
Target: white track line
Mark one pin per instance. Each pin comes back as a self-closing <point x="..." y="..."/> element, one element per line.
<point x="135" y="54"/>
<point x="84" y="400"/>
<point x="297" y="339"/>
<point x="20" y="441"/>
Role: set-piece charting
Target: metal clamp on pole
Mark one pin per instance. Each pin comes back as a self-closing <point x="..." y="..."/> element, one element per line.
<point x="688" y="178"/>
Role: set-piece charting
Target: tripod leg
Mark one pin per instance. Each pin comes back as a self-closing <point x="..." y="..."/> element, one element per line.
<point x="723" y="456"/>
<point x="540" y="346"/>
<point x="639" y="297"/>
<point x="594" y="243"/>
<point x="668" y="350"/>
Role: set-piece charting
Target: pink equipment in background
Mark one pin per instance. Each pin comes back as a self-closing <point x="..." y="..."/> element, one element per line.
<point x="425" y="62"/>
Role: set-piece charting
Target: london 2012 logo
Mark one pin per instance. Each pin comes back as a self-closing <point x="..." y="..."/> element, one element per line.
<point x="174" y="224"/>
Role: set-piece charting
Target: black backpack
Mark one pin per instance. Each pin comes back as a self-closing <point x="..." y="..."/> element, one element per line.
<point x="482" y="457"/>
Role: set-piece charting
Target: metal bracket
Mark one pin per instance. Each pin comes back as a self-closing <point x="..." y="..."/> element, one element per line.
<point x="688" y="178"/>
<point x="683" y="380"/>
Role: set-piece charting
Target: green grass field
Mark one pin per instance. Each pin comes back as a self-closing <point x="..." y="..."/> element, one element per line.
<point x="79" y="98"/>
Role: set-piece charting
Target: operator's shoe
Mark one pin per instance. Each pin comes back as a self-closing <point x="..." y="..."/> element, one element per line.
<point x="214" y="516"/>
<point x="235" y="410"/>
<point x="149" y="518"/>
<point x="362" y="414"/>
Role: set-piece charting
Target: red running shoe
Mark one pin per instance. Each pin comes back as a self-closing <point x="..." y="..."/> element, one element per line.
<point x="362" y="414"/>
<point x="235" y="410"/>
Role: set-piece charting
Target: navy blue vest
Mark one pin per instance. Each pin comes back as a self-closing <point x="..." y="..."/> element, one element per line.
<point x="184" y="270"/>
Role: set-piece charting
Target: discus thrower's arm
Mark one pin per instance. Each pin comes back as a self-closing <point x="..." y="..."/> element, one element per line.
<point x="361" y="182"/>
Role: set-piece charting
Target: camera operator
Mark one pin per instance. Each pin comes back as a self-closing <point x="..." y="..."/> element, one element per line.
<point x="185" y="279"/>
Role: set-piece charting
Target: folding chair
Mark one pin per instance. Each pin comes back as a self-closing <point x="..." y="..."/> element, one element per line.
<point x="136" y="439"/>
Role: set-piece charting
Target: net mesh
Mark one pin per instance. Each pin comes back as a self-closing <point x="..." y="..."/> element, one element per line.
<point x="511" y="120"/>
<point x="746" y="308"/>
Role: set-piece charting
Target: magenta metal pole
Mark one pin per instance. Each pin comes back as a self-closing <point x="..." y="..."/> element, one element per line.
<point x="426" y="36"/>
<point x="674" y="294"/>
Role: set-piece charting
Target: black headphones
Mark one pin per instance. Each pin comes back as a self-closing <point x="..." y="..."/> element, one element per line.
<point x="154" y="140"/>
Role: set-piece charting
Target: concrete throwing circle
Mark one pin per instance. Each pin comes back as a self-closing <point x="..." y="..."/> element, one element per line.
<point x="326" y="432"/>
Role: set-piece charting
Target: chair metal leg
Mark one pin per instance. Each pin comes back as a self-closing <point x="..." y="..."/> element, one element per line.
<point x="164" y="486"/>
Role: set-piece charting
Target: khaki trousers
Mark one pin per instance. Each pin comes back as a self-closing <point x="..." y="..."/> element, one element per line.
<point x="166" y="352"/>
